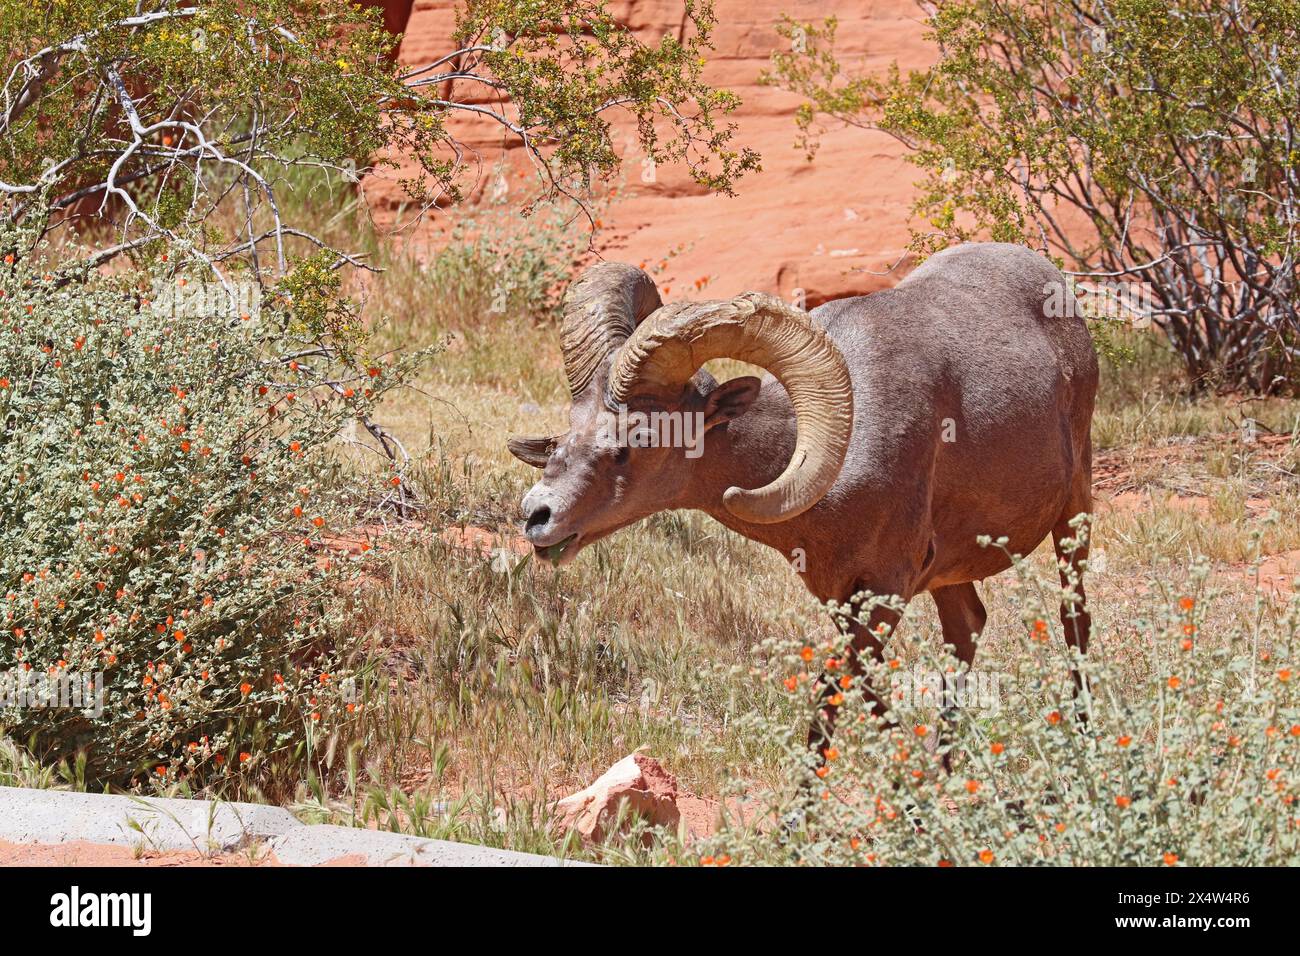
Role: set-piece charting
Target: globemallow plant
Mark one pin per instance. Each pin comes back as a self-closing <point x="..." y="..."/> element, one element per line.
<point x="1183" y="747"/>
<point x="170" y="488"/>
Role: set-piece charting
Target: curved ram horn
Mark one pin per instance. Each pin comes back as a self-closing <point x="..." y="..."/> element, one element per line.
<point x="533" y="451"/>
<point x="666" y="349"/>
<point x="602" y="308"/>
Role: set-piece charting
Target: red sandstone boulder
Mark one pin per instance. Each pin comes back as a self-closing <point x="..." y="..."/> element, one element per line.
<point x="638" y="782"/>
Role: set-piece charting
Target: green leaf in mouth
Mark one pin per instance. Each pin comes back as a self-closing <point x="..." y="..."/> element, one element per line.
<point x="554" y="552"/>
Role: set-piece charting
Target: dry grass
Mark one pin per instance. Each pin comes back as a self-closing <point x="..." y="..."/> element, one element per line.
<point x="495" y="685"/>
<point x="502" y="684"/>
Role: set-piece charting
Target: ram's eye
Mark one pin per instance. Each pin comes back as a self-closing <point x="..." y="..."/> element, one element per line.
<point x="620" y="456"/>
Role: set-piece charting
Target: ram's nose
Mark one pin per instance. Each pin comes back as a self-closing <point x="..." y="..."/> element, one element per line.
<point x="536" y="524"/>
<point x="543" y="520"/>
<point x="540" y="508"/>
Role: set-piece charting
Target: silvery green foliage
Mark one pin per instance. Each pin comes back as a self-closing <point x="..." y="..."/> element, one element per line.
<point x="1184" y="751"/>
<point x="1149" y="144"/>
<point x="169" y="486"/>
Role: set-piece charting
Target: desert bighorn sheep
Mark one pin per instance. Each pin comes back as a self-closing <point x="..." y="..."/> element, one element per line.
<point x="897" y="429"/>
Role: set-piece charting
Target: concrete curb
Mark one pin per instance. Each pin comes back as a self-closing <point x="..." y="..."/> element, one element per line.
<point x="313" y="845"/>
<point x="60" y="816"/>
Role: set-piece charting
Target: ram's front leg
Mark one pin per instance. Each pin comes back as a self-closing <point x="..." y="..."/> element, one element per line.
<point x="867" y="641"/>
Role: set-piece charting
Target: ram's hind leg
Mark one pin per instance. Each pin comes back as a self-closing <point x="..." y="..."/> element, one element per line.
<point x="962" y="616"/>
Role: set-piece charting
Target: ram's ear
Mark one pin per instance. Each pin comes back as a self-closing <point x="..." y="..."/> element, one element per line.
<point x="730" y="400"/>
<point x="532" y="451"/>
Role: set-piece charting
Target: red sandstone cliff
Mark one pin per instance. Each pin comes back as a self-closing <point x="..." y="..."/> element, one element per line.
<point x="823" y="227"/>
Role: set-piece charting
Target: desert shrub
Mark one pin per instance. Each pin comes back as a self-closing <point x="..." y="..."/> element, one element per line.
<point x="191" y="119"/>
<point x="1147" y="145"/>
<point x="170" y="489"/>
<point x="1189" y="753"/>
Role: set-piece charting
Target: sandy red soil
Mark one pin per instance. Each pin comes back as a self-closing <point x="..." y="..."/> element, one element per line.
<point x="79" y="853"/>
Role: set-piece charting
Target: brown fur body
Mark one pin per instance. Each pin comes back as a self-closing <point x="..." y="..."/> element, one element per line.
<point x="972" y="407"/>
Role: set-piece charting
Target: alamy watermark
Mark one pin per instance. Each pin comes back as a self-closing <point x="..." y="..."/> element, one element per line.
<point x="191" y="298"/>
<point x="969" y="690"/>
<point x="66" y="690"/>
<point x="1115" y="300"/>
<point x="658" y="429"/>
<point x="76" y="909"/>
